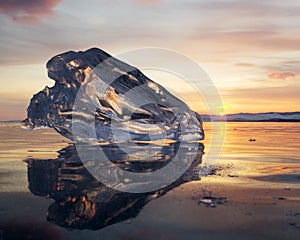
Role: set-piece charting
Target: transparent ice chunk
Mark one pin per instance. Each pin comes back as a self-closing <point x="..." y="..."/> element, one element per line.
<point x="97" y="93"/>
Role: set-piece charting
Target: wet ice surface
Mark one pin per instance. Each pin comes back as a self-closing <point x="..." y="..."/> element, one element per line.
<point x="99" y="98"/>
<point x="174" y="214"/>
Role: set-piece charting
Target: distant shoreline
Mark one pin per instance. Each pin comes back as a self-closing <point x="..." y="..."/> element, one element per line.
<point x="252" y="121"/>
<point x="254" y="117"/>
<point x="11" y="121"/>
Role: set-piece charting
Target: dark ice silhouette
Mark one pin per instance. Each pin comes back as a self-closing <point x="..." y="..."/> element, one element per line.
<point x="82" y="202"/>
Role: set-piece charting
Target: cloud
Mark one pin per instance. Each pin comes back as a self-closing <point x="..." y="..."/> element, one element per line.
<point x="253" y="42"/>
<point x="246" y="65"/>
<point x="267" y="98"/>
<point x="247" y="8"/>
<point x="281" y="75"/>
<point x="267" y="92"/>
<point x="251" y="27"/>
<point x="148" y="2"/>
<point x="28" y="11"/>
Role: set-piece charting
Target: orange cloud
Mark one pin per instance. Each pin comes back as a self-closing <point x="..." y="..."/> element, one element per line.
<point x="281" y="75"/>
<point x="28" y="11"/>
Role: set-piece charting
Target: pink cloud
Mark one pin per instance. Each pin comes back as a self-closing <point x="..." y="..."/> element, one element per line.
<point x="28" y="11"/>
<point x="148" y="2"/>
<point x="281" y="75"/>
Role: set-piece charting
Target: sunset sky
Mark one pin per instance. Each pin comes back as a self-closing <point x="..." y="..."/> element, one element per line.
<point x="250" y="49"/>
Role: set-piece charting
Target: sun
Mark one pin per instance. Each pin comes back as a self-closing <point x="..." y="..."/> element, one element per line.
<point x="223" y="110"/>
<point x="222" y="114"/>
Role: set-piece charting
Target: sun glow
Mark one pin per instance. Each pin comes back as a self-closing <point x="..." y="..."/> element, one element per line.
<point x="223" y="111"/>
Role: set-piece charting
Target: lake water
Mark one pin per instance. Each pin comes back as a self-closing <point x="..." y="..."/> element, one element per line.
<point x="52" y="196"/>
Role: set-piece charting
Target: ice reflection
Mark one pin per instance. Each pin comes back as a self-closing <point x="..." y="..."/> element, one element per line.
<point x="82" y="202"/>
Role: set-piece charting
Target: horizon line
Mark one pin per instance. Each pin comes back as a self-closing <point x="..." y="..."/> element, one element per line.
<point x="202" y="114"/>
